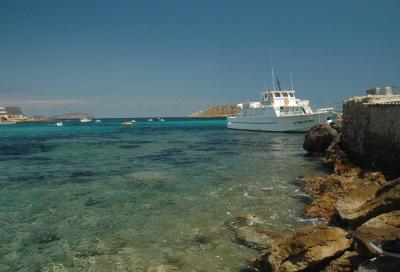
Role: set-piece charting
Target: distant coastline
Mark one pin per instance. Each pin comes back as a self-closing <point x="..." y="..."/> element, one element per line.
<point x="216" y="111"/>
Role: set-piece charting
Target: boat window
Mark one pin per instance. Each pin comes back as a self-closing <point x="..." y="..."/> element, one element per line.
<point x="277" y="94"/>
<point x="291" y="94"/>
<point x="285" y="94"/>
<point x="269" y="96"/>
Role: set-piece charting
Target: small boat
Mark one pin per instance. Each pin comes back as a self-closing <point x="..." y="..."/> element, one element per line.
<point x="161" y="119"/>
<point x="150" y="120"/>
<point x="59" y="124"/>
<point x="98" y="121"/>
<point x="133" y="121"/>
<point x="7" y="122"/>
<point x="127" y="123"/>
<point x="86" y="120"/>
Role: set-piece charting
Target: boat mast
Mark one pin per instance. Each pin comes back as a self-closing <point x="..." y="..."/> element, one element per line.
<point x="291" y="80"/>
<point x="272" y="68"/>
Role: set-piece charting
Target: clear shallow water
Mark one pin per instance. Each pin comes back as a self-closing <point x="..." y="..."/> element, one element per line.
<point x="102" y="197"/>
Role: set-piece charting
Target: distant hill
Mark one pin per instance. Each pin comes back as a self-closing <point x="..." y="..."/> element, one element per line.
<point x="73" y="115"/>
<point x="217" y="111"/>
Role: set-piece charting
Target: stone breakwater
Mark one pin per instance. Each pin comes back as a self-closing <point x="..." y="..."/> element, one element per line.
<point x="371" y="132"/>
<point x="358" y="203"/>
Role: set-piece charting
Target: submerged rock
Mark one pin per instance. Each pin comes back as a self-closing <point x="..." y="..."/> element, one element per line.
<point x="308" y="249"/>
<point x="258" y="238"/>
<point x="161" y="268"/>
<point x="379" y="230"/>
<point x="319" y="138"/>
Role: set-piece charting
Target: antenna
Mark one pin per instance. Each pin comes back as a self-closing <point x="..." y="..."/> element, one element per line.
<point x="272" y="68"/>
<point x="279" y="84"/>
<point x="291" y="80"/>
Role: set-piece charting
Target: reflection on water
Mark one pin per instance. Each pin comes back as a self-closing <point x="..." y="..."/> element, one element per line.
<point x="101" y="197"/>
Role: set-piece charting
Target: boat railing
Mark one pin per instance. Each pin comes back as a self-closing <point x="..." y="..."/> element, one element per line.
<point x="323" y="110"/>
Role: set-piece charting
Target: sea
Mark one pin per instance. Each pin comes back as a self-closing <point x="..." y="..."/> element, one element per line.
<point x="104" y="197"/>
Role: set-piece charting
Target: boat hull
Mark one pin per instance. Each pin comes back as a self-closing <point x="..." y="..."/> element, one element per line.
<point x="294" y="123"/>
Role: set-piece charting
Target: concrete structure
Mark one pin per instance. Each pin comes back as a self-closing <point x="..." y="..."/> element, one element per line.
<point x="381" y="91"/>
<point x="371" y="132"/>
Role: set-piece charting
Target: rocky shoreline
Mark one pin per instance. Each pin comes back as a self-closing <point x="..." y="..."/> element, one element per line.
<point x="358" y="204"/>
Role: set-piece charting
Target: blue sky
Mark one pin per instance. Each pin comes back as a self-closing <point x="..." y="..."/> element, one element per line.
<point x="170" y="58"/>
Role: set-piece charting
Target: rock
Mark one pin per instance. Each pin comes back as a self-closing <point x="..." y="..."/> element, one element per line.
<point x="319" y="138"/>
<point x="322" y="207"/>
<point x="348" y="190"/>
<point x="385" y="227"/>
<point x="160" y="268"/>
<point x="348" y="262"/>
<point x="308" y="249"/>
<point x="386" y="199"/>
<point x="336" y="159"/>
<point x="257" y="263"/>
<point x="257" y="238"/>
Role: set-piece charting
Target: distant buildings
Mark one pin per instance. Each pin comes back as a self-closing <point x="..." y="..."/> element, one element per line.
<point x="12" y="113"/>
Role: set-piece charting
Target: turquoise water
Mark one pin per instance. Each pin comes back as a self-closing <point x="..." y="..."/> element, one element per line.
<point x="102" y="197"/>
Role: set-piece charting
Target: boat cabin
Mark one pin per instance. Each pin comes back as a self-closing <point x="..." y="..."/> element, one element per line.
<point x="280" y="98"/>
<point x="276" y="103"/>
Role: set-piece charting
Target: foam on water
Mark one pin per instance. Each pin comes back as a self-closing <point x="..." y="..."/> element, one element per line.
<point x="102" y="197"/>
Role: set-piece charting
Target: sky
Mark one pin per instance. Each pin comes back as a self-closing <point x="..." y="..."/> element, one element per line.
<point x="171" y="58"/>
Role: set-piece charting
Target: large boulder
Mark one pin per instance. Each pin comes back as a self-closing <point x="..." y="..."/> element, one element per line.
<point x="386" y="199"/>
<point x="308" y="249"/>
<point x="319" y="138"/>
<point x="350" y="190"/>
<point x="378" y="230"/>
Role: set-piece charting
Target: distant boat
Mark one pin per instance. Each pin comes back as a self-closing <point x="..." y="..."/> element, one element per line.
<point x="98" y="121"/>
<point x="59" y="124"/>
<point x="127" y="123"/>
<point x="150" y="120"/>
<point x="7" y="122"/>
<point x="86" y="120"/>
<point x="133" y="121"/>
<point x="161" y="119"/>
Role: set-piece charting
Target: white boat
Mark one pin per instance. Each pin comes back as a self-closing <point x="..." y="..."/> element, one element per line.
<point x="86" y="120"/>
<point x="161" y="119"/>
<point x="150" y="120"/>
<point x="278" y="110"/>
<point x="98" y="121"/>
<point x="59" y="124"/>
<point x="7" y="122"/>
